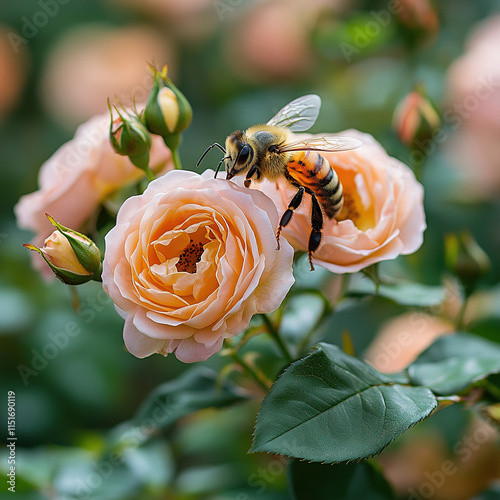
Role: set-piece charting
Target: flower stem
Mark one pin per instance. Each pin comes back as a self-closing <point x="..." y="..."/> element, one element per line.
<point x="443" y="402"/>
<point x="75" y="299"/>
<point x="327" y="310"/>
<point x="346" y="281"/>
<point x="176" y="158"/>
<point x="149" y="174"/>
<point x="459" y="321"/>
<point x="259" y="378"/>
<point x="372" y="273"/>
<point x="273" y="331"/>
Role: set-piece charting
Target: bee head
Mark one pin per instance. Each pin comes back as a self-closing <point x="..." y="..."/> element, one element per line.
<point x="240" y="154"/>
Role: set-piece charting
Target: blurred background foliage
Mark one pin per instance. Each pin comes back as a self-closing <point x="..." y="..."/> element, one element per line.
<point x="238" y="62"/>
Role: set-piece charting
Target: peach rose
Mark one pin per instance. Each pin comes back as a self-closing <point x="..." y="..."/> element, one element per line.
<point x="382" y="217"/>
<point x="190" y="261"/>
<point x="78" y="177"/>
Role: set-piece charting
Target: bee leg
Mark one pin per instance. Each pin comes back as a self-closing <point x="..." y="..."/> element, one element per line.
<point x="250" y="173"/>
<point x="287" y="216"/>
<point x="317" y="225"/>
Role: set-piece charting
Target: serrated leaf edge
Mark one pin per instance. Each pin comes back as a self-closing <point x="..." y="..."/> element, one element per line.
<point x="325" y="462"/>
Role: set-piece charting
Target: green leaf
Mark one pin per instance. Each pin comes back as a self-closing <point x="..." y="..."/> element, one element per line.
<point x="331" y="407"/>
<point x="398" y="378"/>
<point x="99" y="480"/>
<point x="342" y="482"/>
<point x="491" y="494"/>
<point x="454" y="362"/>
<point x="39" y="465"/>
<point x="404" y="293"/>
<point x="152" y="464"/>
<point x="202" y="479"/>
<point x="194" y="390"/>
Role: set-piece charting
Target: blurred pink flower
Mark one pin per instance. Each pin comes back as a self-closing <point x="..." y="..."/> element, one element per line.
<point x="473" y="97"/>
<point x="382" y="217"/>
<point x="424" y="457"/>
<point x="190" y="261"/>
<point x="271" y="40"/>
<point x="78" y="177"/>
<point x="402" y="339"/>
<point x="93" y="63"/>
<point x="189" y="20"/>
<point x="171" y="9"/>
<point x="13" y="68"/>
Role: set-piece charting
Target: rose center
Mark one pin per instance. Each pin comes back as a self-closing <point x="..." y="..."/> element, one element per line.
<point x="190" y="257"/>
<point x="350" y="209"/>
<point x="358" y="203"/>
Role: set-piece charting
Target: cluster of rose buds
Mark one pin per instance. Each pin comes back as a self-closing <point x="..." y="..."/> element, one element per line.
<point x="167" y="114"/>
<point x="73" y="257"/>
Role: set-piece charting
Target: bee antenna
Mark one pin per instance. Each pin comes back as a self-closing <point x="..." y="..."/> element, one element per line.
<point x="214" y="145"/>
<point x="219" y="165"/>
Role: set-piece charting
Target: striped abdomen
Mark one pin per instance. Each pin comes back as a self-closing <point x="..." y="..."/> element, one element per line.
<point x="311" y="170"/>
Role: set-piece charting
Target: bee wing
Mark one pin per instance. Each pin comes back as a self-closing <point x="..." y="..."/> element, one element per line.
<point x="298" y="115"/>
<point x="329" y="143"/>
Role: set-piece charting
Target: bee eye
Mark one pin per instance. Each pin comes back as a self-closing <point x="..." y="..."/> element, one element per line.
<point x="244" y="154"/>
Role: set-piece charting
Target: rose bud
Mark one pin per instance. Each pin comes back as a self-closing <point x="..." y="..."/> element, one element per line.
<point x="167" y="111"/>
<point x="416" y="119"/>
<point x="129" y="137"/>
<point x="73" y="257"/>
<point x="465" y="259"/>
<point x="419" y="22"/>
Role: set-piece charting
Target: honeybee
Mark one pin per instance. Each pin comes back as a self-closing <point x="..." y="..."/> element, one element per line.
<point x="270" y="152"/>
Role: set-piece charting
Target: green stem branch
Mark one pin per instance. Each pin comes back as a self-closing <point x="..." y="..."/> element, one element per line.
<point x="327" y="310"/>
<point x="259" y="378"/>
<point x="149" y="174"/>
<point x="273" y="331"/>
<point x="176" y="158"/>
<point x="459" y="321"/>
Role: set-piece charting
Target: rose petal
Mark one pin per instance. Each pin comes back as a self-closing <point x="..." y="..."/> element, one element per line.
<point x="235" y="273"/>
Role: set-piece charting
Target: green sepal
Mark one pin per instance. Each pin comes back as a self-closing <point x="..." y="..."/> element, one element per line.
<point x="135" y="140"/>
<point x="67" y="277"/>
<point x="87" y="253"/>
